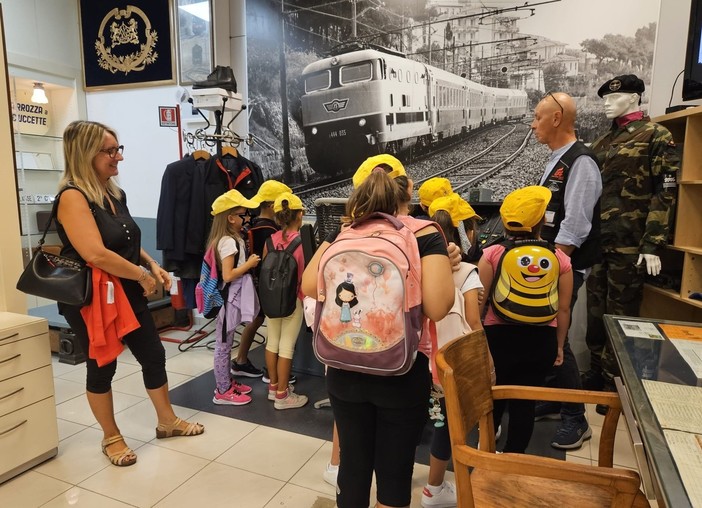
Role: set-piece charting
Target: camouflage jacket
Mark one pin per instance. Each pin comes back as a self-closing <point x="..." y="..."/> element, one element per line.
<point x="639" y="169"/>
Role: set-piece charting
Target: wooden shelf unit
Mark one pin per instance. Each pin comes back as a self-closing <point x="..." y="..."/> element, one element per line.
<point x="686" y="128"/>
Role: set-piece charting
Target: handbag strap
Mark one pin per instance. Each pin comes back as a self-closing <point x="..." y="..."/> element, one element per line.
<point x="54" y="210"/>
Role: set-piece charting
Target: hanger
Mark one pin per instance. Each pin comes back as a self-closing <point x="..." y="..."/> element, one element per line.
<point x="201" y="154"/>
<point x="229" y="150"/>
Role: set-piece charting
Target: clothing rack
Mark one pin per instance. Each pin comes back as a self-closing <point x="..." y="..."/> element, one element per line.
<point x="221" y="134"/>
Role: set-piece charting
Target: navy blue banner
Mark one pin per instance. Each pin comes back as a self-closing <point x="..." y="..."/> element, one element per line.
<point x="126" y="42"/>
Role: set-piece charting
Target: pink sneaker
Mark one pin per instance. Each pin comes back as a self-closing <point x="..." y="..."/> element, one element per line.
<point x="231" y="397"/>
<point x="241" y="387"/>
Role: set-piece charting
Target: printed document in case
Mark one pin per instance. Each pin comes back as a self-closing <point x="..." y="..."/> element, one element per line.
<point x="677" y="407"/>
<point x="686" y="449"/>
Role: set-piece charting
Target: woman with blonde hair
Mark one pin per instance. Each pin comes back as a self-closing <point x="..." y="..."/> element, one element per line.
<point x="95" y="227"/>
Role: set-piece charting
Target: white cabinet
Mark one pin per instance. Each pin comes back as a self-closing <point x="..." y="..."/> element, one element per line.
<point x="28" y="425"/>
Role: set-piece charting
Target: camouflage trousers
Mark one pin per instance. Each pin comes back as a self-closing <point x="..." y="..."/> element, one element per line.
<point x="615" y="286"/>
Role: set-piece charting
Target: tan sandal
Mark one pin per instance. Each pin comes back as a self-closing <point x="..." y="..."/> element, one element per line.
<point x="123" y="458"/>
<point x="173" y="429"/>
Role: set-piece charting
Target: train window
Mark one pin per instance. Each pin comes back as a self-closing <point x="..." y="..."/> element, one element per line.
<point x="416" y="77"/>
<point x="399" y="76"/>
<point x="316" y="82"/>
<point x="355" y="73"/>
<point x="409" y="77"/>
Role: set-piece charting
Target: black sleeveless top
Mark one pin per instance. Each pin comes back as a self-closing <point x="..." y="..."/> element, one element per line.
<point x="119" y="233"/>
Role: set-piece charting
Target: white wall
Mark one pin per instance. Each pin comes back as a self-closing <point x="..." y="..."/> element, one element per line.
<point x="669" y="55"/>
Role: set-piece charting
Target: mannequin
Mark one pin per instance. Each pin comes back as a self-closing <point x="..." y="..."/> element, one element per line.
<point x="639" y="165"/>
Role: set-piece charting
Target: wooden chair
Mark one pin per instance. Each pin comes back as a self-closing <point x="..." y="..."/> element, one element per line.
<point x="487" y="479"/>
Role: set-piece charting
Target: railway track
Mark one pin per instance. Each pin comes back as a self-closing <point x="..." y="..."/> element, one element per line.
<point x="464" y="172"/>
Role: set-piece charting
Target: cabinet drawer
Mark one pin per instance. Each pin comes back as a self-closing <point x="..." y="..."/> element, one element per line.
<point x="28" y="433"/>
<point x="26" y="389"/>
<point x="14" y="327"/>
<point x="24" y="355"/>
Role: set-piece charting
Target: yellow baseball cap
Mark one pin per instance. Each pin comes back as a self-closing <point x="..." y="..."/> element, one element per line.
<point x="457" y="207"/>
<point x="523" y="208"/>
<point x="432" y="189"/>
<point x="365" y="169"/>
<point x="231" y="199"/>
<point x="294" y="203"/>
<point x="269" y="190"/>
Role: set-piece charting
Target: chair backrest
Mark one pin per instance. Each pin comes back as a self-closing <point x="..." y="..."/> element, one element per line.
<point x="464" y="371"/>
<point x="329" y="213"/>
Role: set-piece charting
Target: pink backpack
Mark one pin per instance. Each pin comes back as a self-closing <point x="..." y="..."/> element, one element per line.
<point x="369" y="304"/>
<point x="454" y="325"/>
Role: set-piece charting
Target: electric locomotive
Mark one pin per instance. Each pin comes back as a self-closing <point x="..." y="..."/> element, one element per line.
<point x="361" y="103"/>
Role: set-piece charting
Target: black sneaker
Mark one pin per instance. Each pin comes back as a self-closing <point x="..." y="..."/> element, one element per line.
<point x="571" y="434"/>
<point x="247" y="369"/>
<point x="602" y="409"/>
<point x="266" y="379"/>
<point x="547" y="410"/>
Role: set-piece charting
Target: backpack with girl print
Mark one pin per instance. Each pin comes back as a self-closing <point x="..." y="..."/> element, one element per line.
<point x="369" y="304"/>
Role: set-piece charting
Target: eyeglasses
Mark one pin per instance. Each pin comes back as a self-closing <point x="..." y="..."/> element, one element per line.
<point x="550" y="94"/>
<point x="112" y="152"/>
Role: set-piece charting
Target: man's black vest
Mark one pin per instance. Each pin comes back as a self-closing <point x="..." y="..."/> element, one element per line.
<point x="589" y="252"/>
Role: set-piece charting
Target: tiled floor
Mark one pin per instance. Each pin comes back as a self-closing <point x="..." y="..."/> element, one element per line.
<point x="234" y="464"/>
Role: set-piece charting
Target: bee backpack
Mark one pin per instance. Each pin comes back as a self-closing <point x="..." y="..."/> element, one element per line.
<point x="369" y="303"/>
<point x="525" y="288"/>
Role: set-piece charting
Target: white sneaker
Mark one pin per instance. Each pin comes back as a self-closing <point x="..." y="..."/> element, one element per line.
<point x="445" y="498"/>
<point x="330" y="474"/>
<point x="293" y="400"/>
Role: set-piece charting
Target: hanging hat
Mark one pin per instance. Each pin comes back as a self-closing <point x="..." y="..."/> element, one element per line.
<point x="269" y="190"/>
<point x="294" y="203"/>
<point x="371" y="163"/>
<point x="457" y="207"/>
<point x="432" y="189"/>
<point x="231" y="199"/>
<point x="524" y="208"/>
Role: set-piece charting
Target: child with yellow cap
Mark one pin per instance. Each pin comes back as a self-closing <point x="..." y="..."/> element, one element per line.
<point x="449" y="211"/>
<point x="283" y="331"/>
<point x="241" y="303"/>
<point x="256" y="232"/>
<point x="525" y="353"/>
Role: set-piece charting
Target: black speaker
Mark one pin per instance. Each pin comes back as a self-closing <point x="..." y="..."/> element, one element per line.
<point x="70" y="351"/>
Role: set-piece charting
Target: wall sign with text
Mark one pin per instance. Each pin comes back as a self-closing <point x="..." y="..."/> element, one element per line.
<point x="127" y="43"/>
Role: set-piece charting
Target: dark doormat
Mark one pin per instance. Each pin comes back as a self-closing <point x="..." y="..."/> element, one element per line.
<point x="197" y="394"/>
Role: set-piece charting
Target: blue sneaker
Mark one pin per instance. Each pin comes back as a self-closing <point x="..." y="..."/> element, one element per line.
<point x="571" y="434"/>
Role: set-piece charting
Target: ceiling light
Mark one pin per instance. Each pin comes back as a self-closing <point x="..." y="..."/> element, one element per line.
<point x="39" y="95"/>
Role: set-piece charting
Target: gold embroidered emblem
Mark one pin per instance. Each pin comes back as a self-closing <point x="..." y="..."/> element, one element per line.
<point x="127" y="27"/>
<point x="615" y="85"/>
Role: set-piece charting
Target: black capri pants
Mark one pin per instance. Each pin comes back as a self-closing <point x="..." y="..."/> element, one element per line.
<point x="380" y="420"/>
<point x="144" y="343"/>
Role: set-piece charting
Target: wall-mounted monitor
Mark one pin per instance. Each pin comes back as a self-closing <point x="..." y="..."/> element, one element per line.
<point x="692" y="83"/>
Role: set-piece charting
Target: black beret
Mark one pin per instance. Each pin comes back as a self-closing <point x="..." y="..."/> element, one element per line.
<point x="628" y="83"/>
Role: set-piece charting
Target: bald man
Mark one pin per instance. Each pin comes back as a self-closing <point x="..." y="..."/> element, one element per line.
<point x="573" y="224"/>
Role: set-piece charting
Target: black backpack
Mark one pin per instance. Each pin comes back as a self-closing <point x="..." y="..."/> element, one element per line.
<point x="277" y="280"/>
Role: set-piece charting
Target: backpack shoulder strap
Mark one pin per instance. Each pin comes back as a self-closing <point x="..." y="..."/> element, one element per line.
<point x="464" y="271"/>
<point x="294" y="245"/>
<point x="269" y="244"/>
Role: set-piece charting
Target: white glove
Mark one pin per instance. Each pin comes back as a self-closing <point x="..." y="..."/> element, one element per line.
<point x="653" y="263"/>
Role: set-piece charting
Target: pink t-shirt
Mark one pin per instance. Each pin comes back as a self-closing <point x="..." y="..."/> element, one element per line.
<point x="279" y="243"/>
<point x="492" y="255"/>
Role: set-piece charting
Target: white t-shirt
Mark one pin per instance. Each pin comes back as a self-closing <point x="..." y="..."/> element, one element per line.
<point x="472" y="282"/>
<point x="229" y="246"/>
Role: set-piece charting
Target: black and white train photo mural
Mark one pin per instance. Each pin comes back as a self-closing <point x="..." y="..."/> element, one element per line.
<point x="447" y="86"/>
